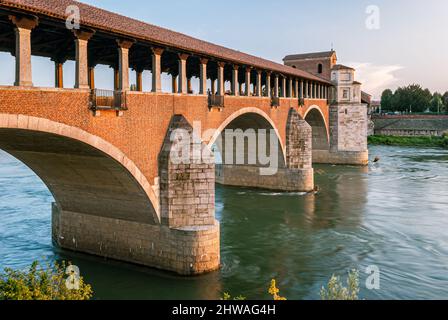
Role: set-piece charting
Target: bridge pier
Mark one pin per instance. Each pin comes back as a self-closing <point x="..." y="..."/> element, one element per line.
<point x="186" y="238"/>
<point x="184" y="250"/>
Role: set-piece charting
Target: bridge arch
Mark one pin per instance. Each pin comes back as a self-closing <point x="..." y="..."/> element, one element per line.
<point x="254" y="112"/>
<point x="318" y="123"/>
<point x="85" y="173"/>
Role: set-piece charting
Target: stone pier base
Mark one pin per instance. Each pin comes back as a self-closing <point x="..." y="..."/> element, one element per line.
<point x="185" y="250"/>
<point x="360" y="158"/>
<point x="291" y="180"/>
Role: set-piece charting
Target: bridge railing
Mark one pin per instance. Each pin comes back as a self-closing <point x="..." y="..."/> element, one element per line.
<point x="107" y="99"/>
<point x="215" y="101"/>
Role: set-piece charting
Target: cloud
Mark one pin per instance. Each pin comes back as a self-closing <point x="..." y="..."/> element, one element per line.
<point x="376" y="78"/>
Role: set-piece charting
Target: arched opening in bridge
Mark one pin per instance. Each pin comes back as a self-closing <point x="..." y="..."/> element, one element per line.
<point x="319" y="129"/>
<point x="82" y="179"/>
<point x="249" y="153"/>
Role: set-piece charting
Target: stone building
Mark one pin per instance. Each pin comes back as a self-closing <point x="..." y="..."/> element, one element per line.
<point x="348" y="111"/>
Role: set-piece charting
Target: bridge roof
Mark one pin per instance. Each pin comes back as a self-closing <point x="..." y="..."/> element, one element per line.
<point x="106" y="21"/>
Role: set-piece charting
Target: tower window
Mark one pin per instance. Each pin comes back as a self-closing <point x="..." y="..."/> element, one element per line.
<point x="319" y="68"/>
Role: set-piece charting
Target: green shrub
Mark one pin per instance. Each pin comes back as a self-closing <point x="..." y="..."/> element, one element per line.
<point x="41" y="284"/>
<point x="336" y="291"/>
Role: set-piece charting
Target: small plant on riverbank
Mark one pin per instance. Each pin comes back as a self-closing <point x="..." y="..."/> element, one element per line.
<point x="274" y="291"/>
<point x="335" y="290"/>
<point x="41" y="284"/>
<point x="227" y="296"/>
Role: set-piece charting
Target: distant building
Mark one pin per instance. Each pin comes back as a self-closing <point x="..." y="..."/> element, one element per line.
<point x="317" y="63"/>
<point x="321" y="64"/>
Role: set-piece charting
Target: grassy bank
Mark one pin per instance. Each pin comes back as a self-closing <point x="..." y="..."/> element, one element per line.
<point x="410" y="141"/>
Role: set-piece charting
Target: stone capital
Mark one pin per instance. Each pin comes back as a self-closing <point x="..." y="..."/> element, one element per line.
<point x="125" y="44"/>
<point x="183" y="56"/>
<point x="157" y="51"/>
<point x="83" y="34"/>
<point x="24" y="22"/>
<point x="235" y="67"/>
<point x="203" y="60"/>
<point x="221" y="64"/>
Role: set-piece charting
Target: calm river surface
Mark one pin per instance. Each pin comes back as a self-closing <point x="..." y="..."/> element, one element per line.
<point x="393" y="214"/>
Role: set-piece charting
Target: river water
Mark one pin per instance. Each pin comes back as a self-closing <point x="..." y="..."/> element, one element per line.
<point x="393" y="214"/>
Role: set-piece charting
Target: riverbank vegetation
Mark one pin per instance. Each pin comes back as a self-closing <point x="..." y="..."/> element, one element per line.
<point x="334" y="290"/>
<point x="56" y="282"/>
<point x="440" y="142"/>
<point x="414" y="98"/>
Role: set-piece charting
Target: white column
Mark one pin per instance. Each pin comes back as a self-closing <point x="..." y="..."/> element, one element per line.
<point x="290" y="94"/>
<point x="284" y="87"/>
<point x="301" y="94"/>
<point x="157" y="69"/>
<point x="258" y="83"/>
<point x="268" y="84"/>
<point x="235" y="83"/>
<point x="248" y="72"/>
<point x="276" y="89"/>
<point x="123" y="63"/>
<point x="82" y="68"/>
<point x="23" y="27"/>
<point x="183" y="73"/>
<point x="203" y="76"/>
<point x="296" y="89"/>
<point x="221" y="89"/>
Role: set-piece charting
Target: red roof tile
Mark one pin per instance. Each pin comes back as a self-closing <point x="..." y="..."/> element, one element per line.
<point x="111" y="22"/>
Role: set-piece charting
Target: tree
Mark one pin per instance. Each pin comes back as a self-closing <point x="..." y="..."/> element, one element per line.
<point x="387" y="100"/>
<point x="436" y="103"/>
<point x="445" y="101"/>
<point x="412" y="98"/>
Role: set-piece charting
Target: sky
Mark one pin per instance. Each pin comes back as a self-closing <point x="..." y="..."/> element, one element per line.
<point x="398" y="43"/>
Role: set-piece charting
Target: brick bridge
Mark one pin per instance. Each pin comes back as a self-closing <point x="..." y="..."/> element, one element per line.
<point x="105" y="155"/>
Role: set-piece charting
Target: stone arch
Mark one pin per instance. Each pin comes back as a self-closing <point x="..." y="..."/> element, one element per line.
<point x="85" y="173"/>
<point x="241" y="112"/>
<point x="316" y="120"/>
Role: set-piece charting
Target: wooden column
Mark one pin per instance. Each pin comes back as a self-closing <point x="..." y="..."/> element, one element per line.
<point x="58" y="75"/>
<point x="92" y="78"/>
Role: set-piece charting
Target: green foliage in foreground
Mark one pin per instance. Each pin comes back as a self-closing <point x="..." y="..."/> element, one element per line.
<point x="410" y="141"/>
<point x="41" y="284"/>
<point x="335" y="290"/>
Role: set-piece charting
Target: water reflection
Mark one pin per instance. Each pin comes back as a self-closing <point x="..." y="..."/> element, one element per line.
<point x="392" y="214"/>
